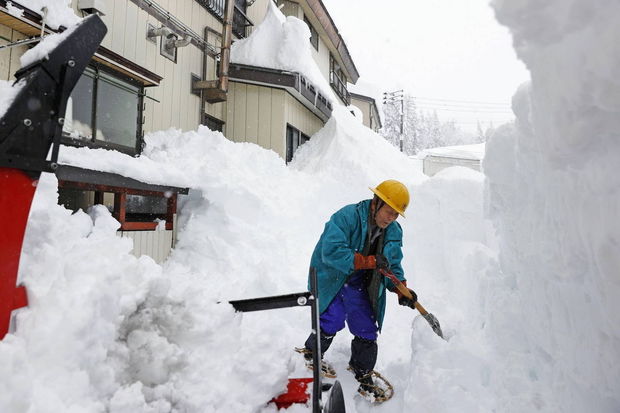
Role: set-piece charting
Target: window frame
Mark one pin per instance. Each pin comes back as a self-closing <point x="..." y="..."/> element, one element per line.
<point x="338" y="80"/>
<point x="209" y="120"/>
<point x="298" y="138"/>
<point x="93" y="142"/>
<point x="314" y="35"/>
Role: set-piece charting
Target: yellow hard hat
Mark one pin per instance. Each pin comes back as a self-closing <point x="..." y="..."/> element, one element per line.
<point x="393" y="193"/>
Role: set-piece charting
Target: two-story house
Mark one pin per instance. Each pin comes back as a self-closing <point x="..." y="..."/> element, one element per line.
<point x="166" y="63"/>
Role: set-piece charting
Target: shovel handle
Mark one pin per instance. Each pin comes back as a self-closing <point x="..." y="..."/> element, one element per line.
<point x="404" y="290"/>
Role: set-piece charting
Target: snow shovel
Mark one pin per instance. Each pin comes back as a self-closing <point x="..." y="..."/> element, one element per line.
<point x="432" y="320"/>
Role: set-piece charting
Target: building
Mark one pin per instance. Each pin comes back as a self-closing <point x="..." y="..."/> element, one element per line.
<point x="370" y="112"/>
<point x="166" y="63"/>
<point x="436" y="159"/>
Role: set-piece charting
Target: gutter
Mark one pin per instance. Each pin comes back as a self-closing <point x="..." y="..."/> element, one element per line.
<point x="321" y="13"/>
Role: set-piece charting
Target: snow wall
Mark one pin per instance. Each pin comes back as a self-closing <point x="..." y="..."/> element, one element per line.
<point x="553" y="193"/>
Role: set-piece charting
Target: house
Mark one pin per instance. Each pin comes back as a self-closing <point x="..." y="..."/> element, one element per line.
<point x="436" y="159"/>
<point x="166" y="63"/>
<point x="370" y="112"/>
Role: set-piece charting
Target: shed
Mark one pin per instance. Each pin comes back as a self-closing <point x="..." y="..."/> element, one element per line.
<point x="436" y="159"/>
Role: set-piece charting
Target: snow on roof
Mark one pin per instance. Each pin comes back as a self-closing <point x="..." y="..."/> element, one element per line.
<point x="474" y="152"/>
<point x="280" y="42"/>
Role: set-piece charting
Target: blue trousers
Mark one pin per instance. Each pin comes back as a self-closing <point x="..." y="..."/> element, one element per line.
<point x="352" y="305"/>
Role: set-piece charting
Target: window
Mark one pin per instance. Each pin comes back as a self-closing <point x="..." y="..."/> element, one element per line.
<point x="104" y="110"/>
<point x="338" y="80"/>
<point x="294" y="139"/>
<point x="314" y="36"/>
<point x="213" y="123"/>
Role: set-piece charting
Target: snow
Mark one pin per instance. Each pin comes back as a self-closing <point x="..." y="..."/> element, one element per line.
<point x="59" y="12"/>
<point x="45" y="46"/>
<point x="280" y="42"/>
<point x="14" y="10"/>
<point x="519" y="264"/>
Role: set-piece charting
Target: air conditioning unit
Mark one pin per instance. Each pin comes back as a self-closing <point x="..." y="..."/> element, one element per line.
<point x="92" y="6"/>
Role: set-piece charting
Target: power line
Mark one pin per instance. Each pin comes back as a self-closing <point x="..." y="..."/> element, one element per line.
<point x="462" y="101"/>
<point x="482" y="110"/>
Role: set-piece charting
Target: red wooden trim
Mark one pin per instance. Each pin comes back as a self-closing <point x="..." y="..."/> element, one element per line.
<point x="108" y="188"/>
<point x="142" y="226"/>
<point x="120" y="201"/>
<point x="172" y="208"/>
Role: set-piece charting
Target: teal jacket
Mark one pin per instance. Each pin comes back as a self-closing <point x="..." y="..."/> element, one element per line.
<point x="343" y="236"/>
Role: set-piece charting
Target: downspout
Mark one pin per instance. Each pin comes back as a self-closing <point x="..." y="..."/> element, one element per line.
<point x="226" y="42"/>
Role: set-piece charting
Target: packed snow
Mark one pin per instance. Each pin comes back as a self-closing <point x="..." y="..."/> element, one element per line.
<point x="519" y="265"/>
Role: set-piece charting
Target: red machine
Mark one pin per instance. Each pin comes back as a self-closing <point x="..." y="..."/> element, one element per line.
<point x="29" y="127"/>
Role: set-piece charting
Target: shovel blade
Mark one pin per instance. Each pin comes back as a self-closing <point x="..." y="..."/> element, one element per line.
<point x="432" y="320"/>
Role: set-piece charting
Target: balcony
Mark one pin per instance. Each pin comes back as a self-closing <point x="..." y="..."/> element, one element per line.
<point x="240" y="21"/>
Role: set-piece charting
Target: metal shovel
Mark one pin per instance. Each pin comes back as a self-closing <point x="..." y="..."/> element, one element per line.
<point x="432" y="320"/>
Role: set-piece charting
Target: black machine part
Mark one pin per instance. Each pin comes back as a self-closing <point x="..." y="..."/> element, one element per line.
<point x="34" y="120"/>
<point x="336" y="400"/>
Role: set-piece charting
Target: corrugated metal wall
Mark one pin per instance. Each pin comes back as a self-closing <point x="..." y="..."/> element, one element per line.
<point x="155" y="244"/>
<point x="9" y="58"/>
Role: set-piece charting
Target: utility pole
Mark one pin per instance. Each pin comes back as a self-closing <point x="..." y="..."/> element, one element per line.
<point x="393" y="97"/>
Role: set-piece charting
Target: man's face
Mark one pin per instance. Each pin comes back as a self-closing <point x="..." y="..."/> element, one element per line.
<point x="385" y="216"/>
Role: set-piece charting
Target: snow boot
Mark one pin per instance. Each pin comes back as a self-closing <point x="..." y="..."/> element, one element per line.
<point x="373" y="386"/>
<point x="327" y="370"/>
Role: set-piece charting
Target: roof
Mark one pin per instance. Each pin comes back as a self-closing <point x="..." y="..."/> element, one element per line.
<point x="473" y="152"/>
<point x="97" y="178"/>
<point x="327" y="23"/>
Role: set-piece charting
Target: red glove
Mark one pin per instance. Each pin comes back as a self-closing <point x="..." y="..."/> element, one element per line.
<point x="364" y="262"/>
<point x="370" y="262"/>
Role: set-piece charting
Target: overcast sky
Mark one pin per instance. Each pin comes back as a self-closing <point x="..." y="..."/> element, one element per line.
<point x="447" y="52"/>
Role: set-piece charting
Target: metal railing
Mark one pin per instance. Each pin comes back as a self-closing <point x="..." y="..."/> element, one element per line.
<point x="240" y="21"/>
<point x="339" y="87"/>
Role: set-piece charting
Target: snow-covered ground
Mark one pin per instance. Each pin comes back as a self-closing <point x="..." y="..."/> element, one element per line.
<point x="519" y="265"/>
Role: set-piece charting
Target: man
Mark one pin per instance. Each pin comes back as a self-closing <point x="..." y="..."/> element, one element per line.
<point x="358" y="241"/>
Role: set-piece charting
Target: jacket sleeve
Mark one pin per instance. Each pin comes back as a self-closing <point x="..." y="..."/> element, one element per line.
<point x="337" y="251"/>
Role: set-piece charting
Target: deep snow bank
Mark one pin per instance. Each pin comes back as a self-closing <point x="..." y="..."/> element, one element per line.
<point x="108" y="332"/>
<point x="554" y="195"/>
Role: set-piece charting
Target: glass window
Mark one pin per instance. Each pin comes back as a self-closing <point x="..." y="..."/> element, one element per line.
<point x="78" y="117"/>
<point x="104" y="110"/>
<point x="117" y="111"/>
<point x="144" y="208"/>
<point x="314" y="36"/>
<point x="294" y="139"/>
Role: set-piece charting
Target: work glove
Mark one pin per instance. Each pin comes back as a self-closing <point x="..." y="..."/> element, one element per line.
<point x="370" y="262"/>
<point x="402" y="300"/>
<point x="407" y="302"/>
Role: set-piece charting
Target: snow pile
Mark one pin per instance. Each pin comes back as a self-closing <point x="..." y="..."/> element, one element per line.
<point x="280" y="42"/>
<point x="58" y="12"/>
<point x="45" y="46"/>
<point x="107" y="331"/>
<point x="553" y="193"/>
